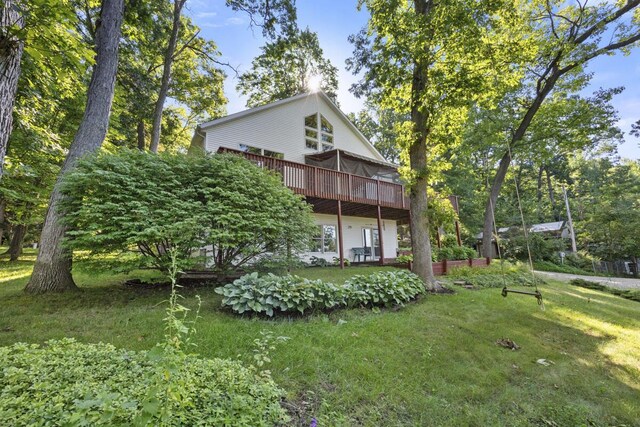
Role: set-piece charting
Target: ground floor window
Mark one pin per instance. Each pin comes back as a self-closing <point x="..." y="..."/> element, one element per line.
<point x="325" y="239"/>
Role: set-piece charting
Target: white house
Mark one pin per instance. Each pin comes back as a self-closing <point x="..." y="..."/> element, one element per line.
<point x="357" y="198"/>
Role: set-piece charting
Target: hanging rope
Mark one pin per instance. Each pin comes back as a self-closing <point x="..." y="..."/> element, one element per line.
<point x="505" y="290"/>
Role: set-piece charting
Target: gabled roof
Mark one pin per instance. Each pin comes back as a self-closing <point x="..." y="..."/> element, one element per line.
<point x="547" y="227"/>
<point x="320" y="94"/>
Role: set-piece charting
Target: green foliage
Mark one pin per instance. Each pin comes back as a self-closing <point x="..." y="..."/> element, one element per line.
<point x="454" y="253"/>
<point x="143" y="205"/>
<point x="272" y="294"/>
<point x="515" y="248"/>
<point x="384" y="288"/>
<point x="632" y="294"/>
<point x="607" y="197"/>
<point x="315" y="261"/>
<point x="345" y="261"/>
<point x="69" y="383"/>
<point x="275" y="263"/>
<point x="559" y="268"/>
<point x="496" y="275"/>
<point x="286" y="67"/>
<point x="405" y="258"/>
<point x="196" y="86"/>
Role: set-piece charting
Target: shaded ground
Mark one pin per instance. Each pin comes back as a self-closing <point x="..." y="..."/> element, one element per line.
<point x="612" y="282"/>
<point x="440" y="361"/>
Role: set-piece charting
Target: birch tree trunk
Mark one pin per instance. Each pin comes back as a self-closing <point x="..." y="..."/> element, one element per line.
<point x="52" y="271"/>
<point x="11" y="49"/>
<point x="166" y="76"/>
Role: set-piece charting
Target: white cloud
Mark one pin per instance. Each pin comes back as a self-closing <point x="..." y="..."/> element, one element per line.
<point x="235" y="21"/>
<point x="206" y="14"/>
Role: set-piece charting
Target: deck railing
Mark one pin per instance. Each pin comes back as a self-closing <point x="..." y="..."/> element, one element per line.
<point x="314" y="181"/>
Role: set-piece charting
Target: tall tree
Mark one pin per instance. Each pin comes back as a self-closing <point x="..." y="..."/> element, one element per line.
<point x="429" y="60"/>
<point x="11" y="48"/>
<point x="52" y="270"/>
<point x="166" y="74"/>
<point x="381" y="127"/>
<point x="196" y="85"/>
<point x="567" y="36"/>
<point x="290" y="65"/>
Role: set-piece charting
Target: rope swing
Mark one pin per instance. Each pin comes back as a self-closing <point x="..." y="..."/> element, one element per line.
<point x="505" y="290"/>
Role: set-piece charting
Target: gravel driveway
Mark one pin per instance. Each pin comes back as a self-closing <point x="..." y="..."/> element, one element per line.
<point x="612" y="282"/>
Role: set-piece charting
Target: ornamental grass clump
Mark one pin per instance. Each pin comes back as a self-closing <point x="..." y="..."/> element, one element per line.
<point x="272" y="294"/>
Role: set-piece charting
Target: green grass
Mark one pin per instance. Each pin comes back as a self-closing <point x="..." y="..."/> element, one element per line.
<point x="434" y="362"/>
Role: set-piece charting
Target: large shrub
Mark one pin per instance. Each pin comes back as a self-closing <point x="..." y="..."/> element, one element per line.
<point x="272" y="294"/>
<point x="69" y="383"/>
<point x="141" y="205"/>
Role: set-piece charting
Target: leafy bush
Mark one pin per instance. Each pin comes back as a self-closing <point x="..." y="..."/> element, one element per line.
<point x="140" y="206"/>
<point x="68" y="383"/>
<point x="384" y="288"/>
<point x="559" y="268"/>
<point x="271" y="294"/>
<point x="582" y="260"/>
<point x="315" y="261"/>
<point x="454" y="253"/>
<point x="405" y="258"/>
<point x="496" y="275"/>
<point x="515" y="248"/>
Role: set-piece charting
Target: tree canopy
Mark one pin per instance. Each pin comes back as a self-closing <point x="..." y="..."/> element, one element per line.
<point x="288" y="66"/>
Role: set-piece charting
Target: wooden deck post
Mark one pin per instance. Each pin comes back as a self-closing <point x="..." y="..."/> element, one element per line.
<point x="340" y="242"/>
<point x="380" y="230"/>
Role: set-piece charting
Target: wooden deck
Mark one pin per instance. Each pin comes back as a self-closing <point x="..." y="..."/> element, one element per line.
<point x="328" y="184"/>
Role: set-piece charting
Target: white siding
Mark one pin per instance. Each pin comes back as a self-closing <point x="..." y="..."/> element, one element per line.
<point x="281" y="129"/>
<point x="352" y="237"/>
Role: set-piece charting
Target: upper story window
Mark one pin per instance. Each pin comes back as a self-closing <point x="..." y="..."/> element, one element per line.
<point x="260" y="151"/>
<point x="318" y="132"/>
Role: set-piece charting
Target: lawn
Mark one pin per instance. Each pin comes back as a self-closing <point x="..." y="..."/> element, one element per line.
<point x="434" y="362"/>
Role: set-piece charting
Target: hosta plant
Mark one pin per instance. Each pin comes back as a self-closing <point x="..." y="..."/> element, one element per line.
<point x="272" y="294"/>
<point x="384" y="288"/>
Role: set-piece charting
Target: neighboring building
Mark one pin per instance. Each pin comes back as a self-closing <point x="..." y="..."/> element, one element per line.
<point x="549" y="230"/>
<point x="357" y="198"/>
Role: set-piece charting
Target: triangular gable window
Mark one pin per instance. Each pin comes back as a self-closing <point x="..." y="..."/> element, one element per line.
<point x="318" y="132"/>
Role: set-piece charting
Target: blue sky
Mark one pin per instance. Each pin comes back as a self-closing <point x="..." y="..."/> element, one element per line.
<point x="335" y="20"/>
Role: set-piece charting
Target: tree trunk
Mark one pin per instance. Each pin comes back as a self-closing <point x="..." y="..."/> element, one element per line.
<point x="52" y="271"/>
<point x="539" y="194"/>
<point x="11" y="49"/>
<point x="3" y="224"/>
<point x="552" y="196"/>
<point x="141" y="135"/>
<point x="15" y="247"/>
<point x="420" y="241"/>
<point x="166" y="76"/>
<point x="489" y="216"/>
